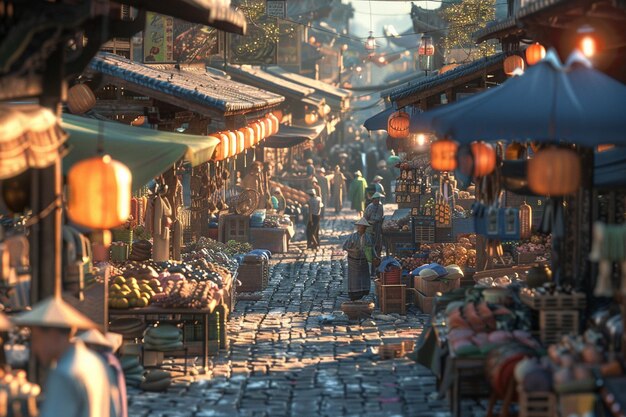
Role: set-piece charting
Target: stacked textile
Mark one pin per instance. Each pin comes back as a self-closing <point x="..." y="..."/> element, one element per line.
<point x="163" y="338"/>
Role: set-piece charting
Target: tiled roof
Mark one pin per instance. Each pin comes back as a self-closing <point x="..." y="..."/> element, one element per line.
<point x="492" y="28"/>
<point x="205" y="89"/>
<point x="428" y="83"/>
<point x="322" y="87"/>
<point x="263" y="79"/>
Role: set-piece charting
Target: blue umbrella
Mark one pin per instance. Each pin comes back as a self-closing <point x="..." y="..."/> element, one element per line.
<point x="379" y="120"/>
<point x="550" y="102"/>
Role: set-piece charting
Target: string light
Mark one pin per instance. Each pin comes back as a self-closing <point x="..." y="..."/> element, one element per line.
<point x="461" y="15"/>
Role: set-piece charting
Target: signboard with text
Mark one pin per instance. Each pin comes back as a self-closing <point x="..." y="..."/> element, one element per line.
<point x="158" y="40"/>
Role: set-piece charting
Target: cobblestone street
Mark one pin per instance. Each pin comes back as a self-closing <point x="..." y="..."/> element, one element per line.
<point x="284" y="360"/>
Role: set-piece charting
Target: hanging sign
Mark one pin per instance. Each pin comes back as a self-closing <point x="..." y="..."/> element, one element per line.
<point x="276" y="8"/>
<point x="158" y="39"/>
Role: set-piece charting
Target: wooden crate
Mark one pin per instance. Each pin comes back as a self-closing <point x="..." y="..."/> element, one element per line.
<point x="424" y="229"/>
<point x="251" y="277"/>
<point x="431" y="288"/>
<point x="554" y="324"/>
<point x="537" y="404"/>
<point x="574" y="301"/>
<point x="425" y="303"/>
<point x="392" y="299"/>
<point x="235" y="227"/>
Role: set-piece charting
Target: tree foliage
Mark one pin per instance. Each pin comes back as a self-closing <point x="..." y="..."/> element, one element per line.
<point x="464" y="18"/>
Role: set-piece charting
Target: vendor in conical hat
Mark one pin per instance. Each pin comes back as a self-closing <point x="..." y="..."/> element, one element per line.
<point x="374" y="214"/>
<point x="78" y="382"/>
<point x="361" y="252"/>
<point x="105" y="345"/>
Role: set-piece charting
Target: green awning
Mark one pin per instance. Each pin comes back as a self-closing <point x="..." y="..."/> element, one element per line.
<point x="147" y="153"/>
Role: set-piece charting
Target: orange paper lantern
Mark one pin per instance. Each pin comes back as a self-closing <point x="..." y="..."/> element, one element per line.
<point x="554" y="172"/>
<point x="263" y="130"/>
<point x="241" y="143"/>
<point x="99" y="193"/>
<point x="398" y="125"/>
<point x="484" y="158"/>
<point x="232" y="141"/>
<point x="80" y="99"/>
<point x="512" y="64"/>
<point x="275" y="123"/>
<point x="513" y="151"/>
<point x="535" y="53"/>
<point x="443" y="155"/>
<point x="222" y="148"/>
<point x="248" y="136"/>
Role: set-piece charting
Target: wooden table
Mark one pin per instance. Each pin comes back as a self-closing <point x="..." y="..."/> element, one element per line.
<point x="213" y="307"/>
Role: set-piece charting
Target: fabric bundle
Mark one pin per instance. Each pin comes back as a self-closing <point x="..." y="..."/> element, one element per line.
<point x="163" y="338"/>
<point x="133" y="370"/>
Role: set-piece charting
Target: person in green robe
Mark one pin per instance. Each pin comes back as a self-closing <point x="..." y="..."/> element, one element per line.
<point x="357" y="193"/>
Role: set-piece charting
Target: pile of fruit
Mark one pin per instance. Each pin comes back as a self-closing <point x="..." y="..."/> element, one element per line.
<point x="230" y="248"/>
<point x="536" y="244"/>
<point x="186" y="294"/>
<point x="462" y="253"/>
<point x="130" y="292"/>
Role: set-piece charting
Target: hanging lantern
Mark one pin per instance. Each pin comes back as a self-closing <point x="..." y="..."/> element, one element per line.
<point x="525" y="220"/>
<point x="370" y="43"/>
<point x="513" y="151"/>
<point x="248" y="136"/>
<point x="554" y="172"/>
<point x="443" y="155"/>
<point x="513" y="65"/>
<point x="240" y="141"/>
<point x="278" y="114"/>
<point x="257" y="132"/>
<point x="484" y="156"/>
<point x="426" y="48"/>
<point x="223" y="148"/>
<point x="447" y="67"/>
<point x="310" y="118"/>
<point x="99" y="193"/>
<point x="535" y="53"/>
<point x="138" y="121"/>
<point x="232" y="141"/>
<point x="275" y="123"/>
<point x="80" y="99"/>
<point x="263" y="130"/>
<point x="267" y="122"/>
<point x="398" y="124"/>
<point x="604" y="148"/>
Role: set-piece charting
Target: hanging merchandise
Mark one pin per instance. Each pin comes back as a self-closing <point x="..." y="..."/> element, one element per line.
<point x="608" y="246"/>
<point x="513" y="65"/>
<point x="80" y="99"/>
<point x="535" y="53"/>
<point x="443" y="213"/>
<point x="525" y="220"/>
<point x="508" y="223"/>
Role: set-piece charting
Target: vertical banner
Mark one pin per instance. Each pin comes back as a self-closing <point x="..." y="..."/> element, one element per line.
<point x="158" y="39"/>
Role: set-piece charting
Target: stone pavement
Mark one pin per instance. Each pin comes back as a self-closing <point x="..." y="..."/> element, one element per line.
<point x="284" y="361"/>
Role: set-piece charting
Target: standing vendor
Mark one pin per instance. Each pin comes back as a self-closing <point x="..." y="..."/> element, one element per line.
<point x="313" y="225"/>
<point x="78" y="383"/>
<point x="374" y="215"/>
<point x="361" y="252"/>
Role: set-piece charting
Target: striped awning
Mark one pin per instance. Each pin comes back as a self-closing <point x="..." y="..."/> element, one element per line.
<point x="30" y="137"/>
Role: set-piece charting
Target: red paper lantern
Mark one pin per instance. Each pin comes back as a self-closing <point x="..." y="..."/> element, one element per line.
<point x="535" y="53"/>
<point x="484" y="158"/>
<point x="80" y="99"/>
<point x="398" y="125"/>
<point x="443" y="155"/>
<point x="554" y="172"/>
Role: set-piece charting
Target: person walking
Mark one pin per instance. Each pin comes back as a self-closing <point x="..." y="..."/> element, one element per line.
<point x="313" y="226"/>
<point x="310" y="168"/>
<point x="78" y="382"/>
<point x="361" y="253"/>
<point x="324" y="184"/>
<point x="374" y="214"/>
<point x="386" y="176"/>
<point x="374" y="187"/>
<point x="357" y="193"/>
<point x="338" y="187"/>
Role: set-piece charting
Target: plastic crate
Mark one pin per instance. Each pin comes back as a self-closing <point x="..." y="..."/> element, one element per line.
<point x="574" y="301"/>
<point x="554" y="324"/>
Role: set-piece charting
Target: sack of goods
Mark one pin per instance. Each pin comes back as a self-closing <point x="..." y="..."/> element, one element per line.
<point x="156" y="380"/>
<point x="133" y="371"/>
<point x="163" y="338"/>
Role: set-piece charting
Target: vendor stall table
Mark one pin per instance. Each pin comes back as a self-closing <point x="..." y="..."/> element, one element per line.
<point x="276" y="240"/>
<point x="214" y="306"/>
<point x="397" y="242"/>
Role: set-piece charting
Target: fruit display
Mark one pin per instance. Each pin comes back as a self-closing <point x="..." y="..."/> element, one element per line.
<point x="230" y="248"/>
<point x="130" y="292"/>
<point x="186" y="294"/>
<point x="428" y="208"/>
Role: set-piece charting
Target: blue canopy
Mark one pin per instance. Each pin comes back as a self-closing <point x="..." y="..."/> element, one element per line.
<point x="379" y="121"/>
<point x="550" y="102"/>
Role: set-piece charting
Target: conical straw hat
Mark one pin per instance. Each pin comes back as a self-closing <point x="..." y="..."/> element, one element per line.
<point x="94" y="337"/>
<point x="54" y="312"/>
<point x="362" y="222"/>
